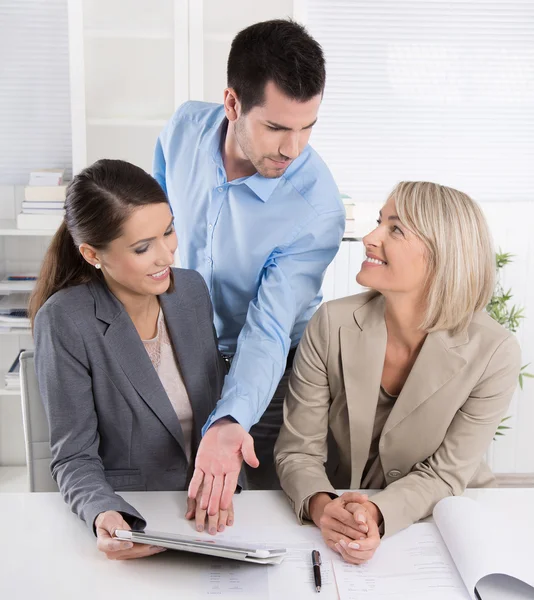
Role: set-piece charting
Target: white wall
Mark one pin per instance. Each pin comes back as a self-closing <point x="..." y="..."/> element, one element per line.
<point x="222" y="20"/>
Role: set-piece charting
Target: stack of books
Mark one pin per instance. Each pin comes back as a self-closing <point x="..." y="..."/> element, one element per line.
<point x="12" y="378"/>
<point x="14" y="313"/>
<point x="44" y="200"/>
<point x="350" y="223"/>
<point x="18" y="283"/>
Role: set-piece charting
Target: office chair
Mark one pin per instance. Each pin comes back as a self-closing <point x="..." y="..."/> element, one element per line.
<point x="36" y="432"/>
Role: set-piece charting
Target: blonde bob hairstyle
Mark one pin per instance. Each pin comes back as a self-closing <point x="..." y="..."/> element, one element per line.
<point x="461" y="259"/>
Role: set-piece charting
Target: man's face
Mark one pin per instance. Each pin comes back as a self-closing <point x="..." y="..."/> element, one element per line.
<point x="273" y="135"/>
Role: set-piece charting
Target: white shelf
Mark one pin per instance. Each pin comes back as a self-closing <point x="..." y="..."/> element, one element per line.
<point x="127" y="122"/>
<point x="116" y="34"/>
<point x="4" y="392"/>
<point x="17" y="332"/>
<point x="11" y="287"/>
<point x="13" y="479"/>
<point x="9" y="227"/>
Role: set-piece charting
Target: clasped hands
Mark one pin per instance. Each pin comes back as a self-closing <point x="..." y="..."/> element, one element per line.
<point x="349" y="524"/>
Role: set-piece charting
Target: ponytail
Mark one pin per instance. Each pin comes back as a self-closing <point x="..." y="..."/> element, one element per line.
<point x="63" y="266"/>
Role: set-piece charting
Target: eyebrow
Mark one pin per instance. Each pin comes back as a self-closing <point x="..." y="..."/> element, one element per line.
<point x="284" y="128"/>
<point x="391" y="217"/>
<point x="151" y="238"/>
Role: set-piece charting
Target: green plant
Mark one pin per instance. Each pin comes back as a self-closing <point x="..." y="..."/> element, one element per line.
<point x="508" y="316"/>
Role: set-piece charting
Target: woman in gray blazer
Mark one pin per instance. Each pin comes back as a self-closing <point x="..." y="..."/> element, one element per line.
<point x="125" y="353"/>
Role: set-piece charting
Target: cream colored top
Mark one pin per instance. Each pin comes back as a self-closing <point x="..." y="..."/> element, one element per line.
<point x="161" y="354"/>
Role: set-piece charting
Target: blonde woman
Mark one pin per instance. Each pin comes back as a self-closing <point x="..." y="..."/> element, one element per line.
<point x="409" y="380"/>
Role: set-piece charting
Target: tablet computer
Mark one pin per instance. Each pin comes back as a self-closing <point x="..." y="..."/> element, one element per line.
<point x="245" y="552"/>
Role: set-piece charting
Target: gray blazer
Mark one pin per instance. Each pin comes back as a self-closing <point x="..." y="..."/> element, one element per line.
<point x="112" y="426"/>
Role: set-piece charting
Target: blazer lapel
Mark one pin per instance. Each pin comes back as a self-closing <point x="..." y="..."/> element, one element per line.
<point x="126" y="345"/>
<point x="363" y="348"/>
<point x="183" y="330"/>
<point x="436" y="364"/>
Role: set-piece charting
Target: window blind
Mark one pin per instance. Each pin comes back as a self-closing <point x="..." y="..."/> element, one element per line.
<point x="427" y="90"/>
<point x="35" y="129"/>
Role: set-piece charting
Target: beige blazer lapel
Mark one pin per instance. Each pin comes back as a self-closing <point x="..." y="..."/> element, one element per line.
<point x="363" y="348"/>
<point x="436" y="364"/>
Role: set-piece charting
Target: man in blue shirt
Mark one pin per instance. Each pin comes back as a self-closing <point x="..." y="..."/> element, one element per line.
<point x="258" y="214"/>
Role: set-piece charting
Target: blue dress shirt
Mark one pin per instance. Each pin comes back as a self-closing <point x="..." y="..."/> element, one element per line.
<point x="262" y="246"/>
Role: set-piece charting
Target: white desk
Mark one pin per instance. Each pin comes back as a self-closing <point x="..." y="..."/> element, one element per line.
<point x="63" y="562"/>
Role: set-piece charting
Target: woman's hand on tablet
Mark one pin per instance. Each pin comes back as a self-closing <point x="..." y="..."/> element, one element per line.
<point x="105" y="525"/>
<point x="215" y="523"/>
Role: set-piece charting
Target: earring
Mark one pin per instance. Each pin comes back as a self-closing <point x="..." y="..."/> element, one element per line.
<point x="97" y="266"/>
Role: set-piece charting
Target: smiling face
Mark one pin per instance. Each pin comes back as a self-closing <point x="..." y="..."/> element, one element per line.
<point x="395" y="257"/>
<point x="273" y="135"/>
<point x="138" y="262"/>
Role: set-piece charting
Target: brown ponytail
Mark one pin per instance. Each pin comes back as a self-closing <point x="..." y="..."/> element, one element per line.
<point x="63" y="266"/>
<point x="99" y="199"/>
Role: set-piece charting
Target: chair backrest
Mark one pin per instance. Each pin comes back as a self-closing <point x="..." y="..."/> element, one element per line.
<point x="36" y="432"/>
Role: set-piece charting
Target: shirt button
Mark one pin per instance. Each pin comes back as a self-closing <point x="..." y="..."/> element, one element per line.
<point x="220" y="189"/>
<point x="210" y="226"/>
<point x="210" y="262"/>
<point x="394" y="473"/>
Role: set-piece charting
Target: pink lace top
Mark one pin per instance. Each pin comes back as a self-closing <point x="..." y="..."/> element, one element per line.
<point x="162" y="356"/>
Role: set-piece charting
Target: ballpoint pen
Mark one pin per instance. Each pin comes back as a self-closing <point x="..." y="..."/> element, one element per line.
<point x="316" y="561"/>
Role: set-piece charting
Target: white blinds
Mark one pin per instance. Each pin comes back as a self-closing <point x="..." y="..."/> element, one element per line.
<point x="34" y="88"/>
<point x="427" y="89"/>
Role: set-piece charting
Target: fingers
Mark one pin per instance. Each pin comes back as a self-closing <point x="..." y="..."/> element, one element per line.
<point x="215" y="497"/>
<point x="328" y="523"/>
<point x="200" y="517"/>
<point x="105" y="543"/>
<point x="247" y="450"/>
<point x="360" y="515"/>
<point x="138" y="551"/>
<point x="230" y="484"/>
<point x="190" y="510"/>
<point x="206" y="491"/>
<point x="360" y="551"/>
<point x="337" y="510"/>
<point x="230" y="520"/>
<point x="347" y="497"/>
<point x="213" y="523"/>
<point x="195" y="483"/>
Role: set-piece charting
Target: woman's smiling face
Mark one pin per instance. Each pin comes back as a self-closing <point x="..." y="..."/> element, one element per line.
<point x="396" y="259"/>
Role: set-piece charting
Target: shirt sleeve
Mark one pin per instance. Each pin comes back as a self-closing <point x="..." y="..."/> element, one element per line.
<point x="291" y="279"/>
<point x="159" y="165"/>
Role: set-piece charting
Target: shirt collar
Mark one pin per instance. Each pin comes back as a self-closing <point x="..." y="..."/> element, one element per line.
<point x="261" y="186"/>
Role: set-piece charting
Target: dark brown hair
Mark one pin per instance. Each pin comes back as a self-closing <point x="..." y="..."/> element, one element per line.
<point x="281" y="51"/>
<point x="99" y="200"/>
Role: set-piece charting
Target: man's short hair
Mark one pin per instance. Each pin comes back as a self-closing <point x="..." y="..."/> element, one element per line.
<point x="281" y="51"/>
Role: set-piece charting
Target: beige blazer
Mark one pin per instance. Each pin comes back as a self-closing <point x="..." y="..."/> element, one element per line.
<point x="434" y="440"/>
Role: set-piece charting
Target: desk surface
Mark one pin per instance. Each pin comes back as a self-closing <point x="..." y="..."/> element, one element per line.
<point x="48" y="553"/>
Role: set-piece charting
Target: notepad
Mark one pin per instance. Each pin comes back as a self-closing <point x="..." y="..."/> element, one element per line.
<point x="247" y="553"/>
<point x="468" y="553"/>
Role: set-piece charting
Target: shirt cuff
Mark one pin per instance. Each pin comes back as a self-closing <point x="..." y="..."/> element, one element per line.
<point x="237" y="409"/>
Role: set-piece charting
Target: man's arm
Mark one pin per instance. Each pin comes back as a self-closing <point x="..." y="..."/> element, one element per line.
<point x="291" y="279"/>
<point x="159" y="165"/>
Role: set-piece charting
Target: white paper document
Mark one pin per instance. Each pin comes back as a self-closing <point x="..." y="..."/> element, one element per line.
<point x="467" y="554"/>
<point x="414" y="563"/>
<point x="292" y="579"/>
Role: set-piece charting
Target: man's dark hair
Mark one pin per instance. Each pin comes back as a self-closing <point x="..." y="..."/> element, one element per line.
<point x="281" y="51"/>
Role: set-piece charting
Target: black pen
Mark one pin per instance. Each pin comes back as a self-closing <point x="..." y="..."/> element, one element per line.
<point x="316" y="561"/>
